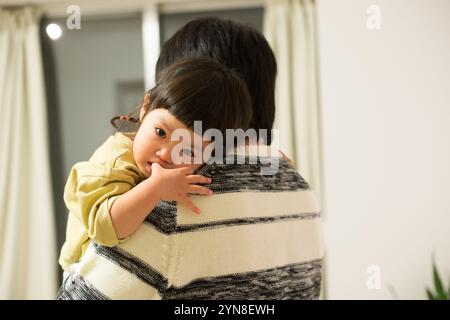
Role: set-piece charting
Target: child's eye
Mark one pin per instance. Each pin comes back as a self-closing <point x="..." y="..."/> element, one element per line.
<point x="160" y="132"/>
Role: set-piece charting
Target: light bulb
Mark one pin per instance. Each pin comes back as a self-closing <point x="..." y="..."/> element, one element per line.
<point x="54" y="31"/>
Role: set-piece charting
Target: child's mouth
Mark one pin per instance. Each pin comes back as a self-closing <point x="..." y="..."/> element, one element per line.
<point x="148" y="167"/>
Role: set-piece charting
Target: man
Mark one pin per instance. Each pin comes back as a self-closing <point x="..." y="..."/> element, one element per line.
<point x="259" y="235"/>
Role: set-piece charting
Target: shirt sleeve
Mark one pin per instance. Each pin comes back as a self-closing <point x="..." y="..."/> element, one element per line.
<point x="89" y="194"/>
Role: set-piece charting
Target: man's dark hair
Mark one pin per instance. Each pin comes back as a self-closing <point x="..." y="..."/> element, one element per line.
<point x="240" y="48"/>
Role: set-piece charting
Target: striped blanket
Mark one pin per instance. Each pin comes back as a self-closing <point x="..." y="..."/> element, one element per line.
<point x="258" y="237"/>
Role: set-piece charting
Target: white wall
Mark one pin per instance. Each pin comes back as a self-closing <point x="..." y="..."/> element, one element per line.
<point x="386" y="134"/>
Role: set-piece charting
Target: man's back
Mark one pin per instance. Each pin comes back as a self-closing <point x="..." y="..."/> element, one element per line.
<point x="258" y="237"/>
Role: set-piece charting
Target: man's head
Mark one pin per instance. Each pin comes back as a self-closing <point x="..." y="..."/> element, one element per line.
<point x="240" y="48"/>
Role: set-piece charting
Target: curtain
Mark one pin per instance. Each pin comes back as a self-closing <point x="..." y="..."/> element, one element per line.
<point x="290" y="29"/>
<point x="151" y="42"/>
<point x="27" y="232"/>
<point x="289" y="26"/>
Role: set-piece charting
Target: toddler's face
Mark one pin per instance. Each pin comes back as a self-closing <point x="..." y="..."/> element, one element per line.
<point x="153" y="142"/>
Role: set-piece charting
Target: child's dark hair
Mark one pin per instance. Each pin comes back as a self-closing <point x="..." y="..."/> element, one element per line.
<point x="199" y="89"/>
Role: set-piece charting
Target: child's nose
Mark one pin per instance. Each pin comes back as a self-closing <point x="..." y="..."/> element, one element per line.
<point x="164" y="154"/>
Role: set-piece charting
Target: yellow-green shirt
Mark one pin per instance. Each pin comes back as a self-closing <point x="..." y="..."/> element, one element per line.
<point x="90" y="191"/>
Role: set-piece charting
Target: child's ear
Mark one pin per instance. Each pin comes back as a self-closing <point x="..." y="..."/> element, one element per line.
<point x="145" y="106"/>
<point x="142" y="114"/>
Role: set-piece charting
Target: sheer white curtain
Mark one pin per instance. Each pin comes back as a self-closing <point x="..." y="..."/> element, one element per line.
<point x="27" y="233"/>
<point x="289" y="26"/>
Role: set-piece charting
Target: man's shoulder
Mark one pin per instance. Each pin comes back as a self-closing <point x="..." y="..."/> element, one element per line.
<point x="253" y="173"/>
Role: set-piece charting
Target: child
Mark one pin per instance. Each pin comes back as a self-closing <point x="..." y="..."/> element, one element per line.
<point x="110" y="195"/>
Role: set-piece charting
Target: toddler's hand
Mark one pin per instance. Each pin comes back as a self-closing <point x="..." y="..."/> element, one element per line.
<point x="285" y="157"/>
<point x="177" y="184"/>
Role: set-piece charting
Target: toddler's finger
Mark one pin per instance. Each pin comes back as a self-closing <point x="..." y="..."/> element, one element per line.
<point x="188" y="203"/>
<point x="194" y="189"/>
<point x="156" y="165"/>
<point x="198" y="179"/>
<point x="187" y="170"/>
<point x="285" y="157"/>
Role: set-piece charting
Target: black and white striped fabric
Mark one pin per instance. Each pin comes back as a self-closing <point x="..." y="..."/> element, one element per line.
<point x="258" y="237"/>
